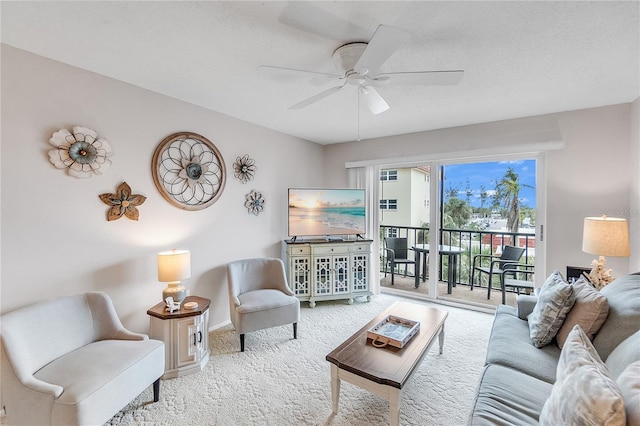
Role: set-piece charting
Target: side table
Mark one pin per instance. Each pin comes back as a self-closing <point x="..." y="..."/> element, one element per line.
<point x="185" y="336"/>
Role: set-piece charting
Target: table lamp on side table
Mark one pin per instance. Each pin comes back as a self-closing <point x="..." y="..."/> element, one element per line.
<point x="174" y="266"/>
<point x="604" y="236"/>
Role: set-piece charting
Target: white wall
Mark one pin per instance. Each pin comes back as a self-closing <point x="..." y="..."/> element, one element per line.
<point x="592" y="175"/>
<point x="634" y="225"/>
<point x="55" y="236"/>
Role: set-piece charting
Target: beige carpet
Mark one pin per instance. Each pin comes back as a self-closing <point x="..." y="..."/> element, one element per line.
<point x="280" y="381"/>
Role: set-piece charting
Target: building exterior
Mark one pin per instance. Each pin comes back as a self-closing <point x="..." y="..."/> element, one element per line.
<point x="404" y="197"/>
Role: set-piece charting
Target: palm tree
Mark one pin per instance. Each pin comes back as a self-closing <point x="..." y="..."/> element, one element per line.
<point x="508" y="191"/>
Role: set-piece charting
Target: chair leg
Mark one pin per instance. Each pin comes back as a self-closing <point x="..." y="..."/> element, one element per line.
<point x="242" y="343"/>
<point x="393" y="271"/>
<point x="156" y="390"/>
<point x="295" y="330"/>
<point x="489" y="288"/>
<point x="473" y="271"/>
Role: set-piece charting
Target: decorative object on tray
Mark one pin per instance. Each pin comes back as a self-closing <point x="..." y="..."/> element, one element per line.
<point x="254" y="202"/>
<point x="604" y="236"/>
<point x="244" y="168"/>
<point x="393" y="331"/>
<point x="80" y="152"/>
<point x="188" y="171"/>
<point x="123" y="202"/>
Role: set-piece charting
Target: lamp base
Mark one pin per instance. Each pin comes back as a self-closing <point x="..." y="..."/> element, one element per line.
<point x="599" y="275"/>
<point x="175" y="290"/>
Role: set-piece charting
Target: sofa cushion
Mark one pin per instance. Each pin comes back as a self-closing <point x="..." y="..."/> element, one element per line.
<point x="510" y="346"/>
<point x="102" y="377"/>
<point x="584" y="393"/>
<point x="629" y="383"/>
<point x="500" y="399"/>
<point x="589" y="311"/>
<point x="555" y="300"/>
<point x="624" y="354"/>
<point x="624" y="314"/>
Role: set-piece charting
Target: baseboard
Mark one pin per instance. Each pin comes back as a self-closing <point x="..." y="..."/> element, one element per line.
<point x="219" y="325"/>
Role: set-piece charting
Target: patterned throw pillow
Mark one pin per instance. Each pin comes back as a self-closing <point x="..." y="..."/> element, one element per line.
<point x="590" y="311"/>
<point x="584" y="393"/>
<point x="554" y="302"/>
<point x="629" y="383"/>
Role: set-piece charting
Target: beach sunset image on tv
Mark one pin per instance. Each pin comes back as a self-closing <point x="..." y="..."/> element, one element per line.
<point x="317" y="212"/>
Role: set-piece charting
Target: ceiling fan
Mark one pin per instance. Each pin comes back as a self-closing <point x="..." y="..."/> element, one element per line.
<point x="359" y="63"/>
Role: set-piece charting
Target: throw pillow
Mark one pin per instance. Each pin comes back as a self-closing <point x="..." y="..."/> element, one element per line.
<point x="583" y="393"/>
<point x="555" y="300"/>
<point x="629" y="382"/>
<point x="590" y="311"/>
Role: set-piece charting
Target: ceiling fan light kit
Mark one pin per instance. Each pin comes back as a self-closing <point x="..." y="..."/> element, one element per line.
<point x="359" y="63"/>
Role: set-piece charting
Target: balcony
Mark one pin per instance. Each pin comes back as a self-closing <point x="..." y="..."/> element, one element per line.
<point x="469" y="243"/>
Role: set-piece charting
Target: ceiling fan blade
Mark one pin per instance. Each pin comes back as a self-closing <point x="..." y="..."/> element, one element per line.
<point x="316" y="78"/>
<point x="424" y="78"/>
<point x="385" y="41"/>
<point x="374" y="101"/>
<point x="317" y="97"/>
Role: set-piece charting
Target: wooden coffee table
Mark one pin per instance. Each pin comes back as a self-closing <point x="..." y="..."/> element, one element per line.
<point x="385" y="371"/>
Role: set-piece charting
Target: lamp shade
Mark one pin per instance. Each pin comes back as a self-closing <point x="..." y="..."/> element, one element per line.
<point x="605" y="236"/>
<point x="174" y="265"/>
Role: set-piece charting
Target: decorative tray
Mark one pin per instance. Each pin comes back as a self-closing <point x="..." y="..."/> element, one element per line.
<point x="393" y="331"/>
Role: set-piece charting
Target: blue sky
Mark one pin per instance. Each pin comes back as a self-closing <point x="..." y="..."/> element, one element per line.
<point x="486" y="174"/>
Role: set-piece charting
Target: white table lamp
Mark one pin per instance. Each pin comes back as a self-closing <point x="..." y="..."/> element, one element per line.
<point x="174" y="266"/>
<point x="604" y="236"/>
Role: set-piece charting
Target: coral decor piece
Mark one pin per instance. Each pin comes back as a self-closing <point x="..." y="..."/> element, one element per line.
<point x="81" y="153"/>
<point x="123" y="202"/>
<point x="599" y="276"/>
<point x="244" y="168"/>
<point x="254" y="202"/>
<point x="188" y="171"/>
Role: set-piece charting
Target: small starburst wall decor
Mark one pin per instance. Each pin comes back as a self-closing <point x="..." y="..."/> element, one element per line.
<point x="123" y="202"/>
<point x="254" y="202"/>
<point x="244" y="168"/>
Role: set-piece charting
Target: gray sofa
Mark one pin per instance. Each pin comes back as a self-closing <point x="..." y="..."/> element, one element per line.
<point x="69" y="361"/>
<point x="518" y="377"/>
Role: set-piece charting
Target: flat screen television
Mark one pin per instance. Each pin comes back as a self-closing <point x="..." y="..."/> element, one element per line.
<point x="326" y="212"/>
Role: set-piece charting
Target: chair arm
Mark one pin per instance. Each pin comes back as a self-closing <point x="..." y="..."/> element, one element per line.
<point x="34" y="385"/>
<point x="525" y="304"/>
<point x="391" y="254"/>
<point x="481" y="256"/>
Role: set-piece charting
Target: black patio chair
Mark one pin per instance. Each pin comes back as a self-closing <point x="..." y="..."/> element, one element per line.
<point x="510" y="254"/>
<point x="397" y="252"/>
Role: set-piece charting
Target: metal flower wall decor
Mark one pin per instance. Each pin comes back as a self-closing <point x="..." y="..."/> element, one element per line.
<point x="188" y="171"/>
<point x="123" y="202"/>
<point x="244" y="168"/>
<point x="81" y="153"/>
<point x="254" y="202"/>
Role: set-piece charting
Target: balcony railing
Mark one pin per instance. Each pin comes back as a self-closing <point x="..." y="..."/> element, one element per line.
<point x="470" y="242"/>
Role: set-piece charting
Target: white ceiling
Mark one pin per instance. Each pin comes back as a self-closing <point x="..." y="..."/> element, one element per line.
<point x="520" y="58"/>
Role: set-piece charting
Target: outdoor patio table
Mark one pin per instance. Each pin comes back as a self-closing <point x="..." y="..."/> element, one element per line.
<point x="422" y="250"/>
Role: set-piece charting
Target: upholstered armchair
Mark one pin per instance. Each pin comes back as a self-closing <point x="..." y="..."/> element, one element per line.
<point x="69" y="361"/>
<point x="259" y="296"/>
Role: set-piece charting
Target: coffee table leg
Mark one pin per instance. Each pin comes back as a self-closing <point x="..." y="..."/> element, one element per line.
<point x="335" y="388"/>
<point x="441" y="339"/>
<point x="394" y="406"/>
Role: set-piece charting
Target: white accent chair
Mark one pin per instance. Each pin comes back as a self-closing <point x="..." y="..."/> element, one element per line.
<point x="259" y="296"/>
<point x="70" y="361"/>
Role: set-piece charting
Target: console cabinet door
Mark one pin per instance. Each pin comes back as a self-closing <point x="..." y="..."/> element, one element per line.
<point x="202" y="336"/>
<point x="300" y="275"/>
<point x="186" y="330"/>
<point x="359" y="278"/>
